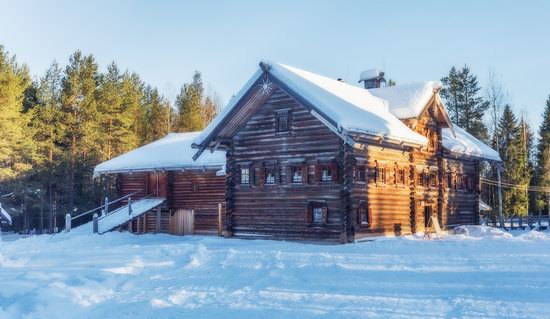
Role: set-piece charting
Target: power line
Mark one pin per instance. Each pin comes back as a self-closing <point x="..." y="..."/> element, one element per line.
<point x="516" y="186"/>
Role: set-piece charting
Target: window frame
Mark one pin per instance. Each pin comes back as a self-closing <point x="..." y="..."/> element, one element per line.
<point x="287" y="116"/>
<point x="248" y="175"/>
<point x="312" y="205"/>
<point x="362" y="205"/>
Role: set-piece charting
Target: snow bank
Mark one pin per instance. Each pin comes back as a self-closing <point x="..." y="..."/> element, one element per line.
<point x="171" y="152"/>
<point x="119" y="275"/>
<point x="481" y="232"/>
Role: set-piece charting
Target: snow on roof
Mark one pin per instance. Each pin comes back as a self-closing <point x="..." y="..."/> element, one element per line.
<point x="369" y="74"/>
<point x="171" y="152"/>
<point x="408" y="100"/>
<point x="483" y="206"/>
<point x="466" y="144"/>
<point x="354" y="109"/>
<point x="4" y="215"/>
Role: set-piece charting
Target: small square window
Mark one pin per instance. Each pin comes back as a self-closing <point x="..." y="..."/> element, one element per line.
<point x="245" y="175"/>
<point x="326" y="174"/>
<point x="318" y="215"/>
<point x="361" y="174"/>
<point x="296" y="174"/>
<point x="282" y="121"/>
<point x="270" y="176"/>
<point x="362" y="213"/>
<point x="381" y="175"/>
<point x="433" y="180"/>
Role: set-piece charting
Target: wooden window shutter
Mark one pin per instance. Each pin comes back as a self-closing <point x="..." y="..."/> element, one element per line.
<point x="304" y="174"/>
<point x="289" y="174"/>
<point x="238" y="175"/>
<point x="369" y="214"/>
<point x="325" y="214"/>
<point x="318" y="170"/>
<point x="309" y="214"/>
<point x="334" y="171"/>
<point x="358" y="213"/>
<point x="262" y="176"/>
<point x="251" y="176"/>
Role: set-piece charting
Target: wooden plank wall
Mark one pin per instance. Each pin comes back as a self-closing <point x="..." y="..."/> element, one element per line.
<point x="388" y="203"/>
<point x="461" y="207"/>
<point x="201" y="191"/>
<point x="280" y="211"/>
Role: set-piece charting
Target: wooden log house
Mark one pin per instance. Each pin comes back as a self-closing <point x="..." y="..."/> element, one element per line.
<point x="313" y="158"/>
<point x="164" y="169"/>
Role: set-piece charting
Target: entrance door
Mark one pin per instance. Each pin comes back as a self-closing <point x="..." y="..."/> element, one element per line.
<point x="182" y="222"/>
<point x="427" y="215"/>
<point x="157" y="184"/>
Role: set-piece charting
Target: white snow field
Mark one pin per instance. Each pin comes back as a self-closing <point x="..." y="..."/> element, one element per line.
<point x="483" y="273"/>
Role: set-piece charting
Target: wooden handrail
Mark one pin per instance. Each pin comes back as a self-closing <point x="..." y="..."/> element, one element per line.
<point x="102" y="206"/>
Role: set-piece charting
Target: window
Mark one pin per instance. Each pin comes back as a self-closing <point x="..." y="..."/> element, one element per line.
<point x="245" y="175"/>
<point x="282" y="121"/>
<point x="363" y="213"/>
<point x="317" y="213"/>
<point x="420" y="179"/>
<point x="380" y="175"/>
<point x="296" y="173"/>
<point x="270" y="176"/>
<point x="361" y="173"/>
<point x="433" y="179"/>
<point x="326" y="174"/>
<point x="400" y="176"/>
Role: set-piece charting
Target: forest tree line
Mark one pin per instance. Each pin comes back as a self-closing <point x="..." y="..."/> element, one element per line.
<point x="57" y="128"/>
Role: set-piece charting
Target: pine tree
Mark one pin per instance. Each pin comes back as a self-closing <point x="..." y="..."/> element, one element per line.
<point x="80" y="119"/>
<point x="158" y="116"/>
<point x="543" y="156"/>
<point x="513" y="152"/>
<point x="467" y="107"/>
<point x="190" y="106"/>
<point x="16" y="147"/>
<point x="47" y="133"/>
<point x="118" y="101"/>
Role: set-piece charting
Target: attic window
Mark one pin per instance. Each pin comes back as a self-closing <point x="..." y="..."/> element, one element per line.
<point x="282" y="121"/>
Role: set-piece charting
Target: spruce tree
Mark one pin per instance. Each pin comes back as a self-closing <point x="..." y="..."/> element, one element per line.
<point x="189" y="105"/>
<point x="514" y="155"/>
<point x="467" y="107"/>
<point x="543" y="156"/>
<point x="157" y="117"/>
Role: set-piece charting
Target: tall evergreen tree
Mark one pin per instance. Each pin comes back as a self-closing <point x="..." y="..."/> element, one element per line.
<point x="157" y="116"/>
<point x="543" y="156"/>
<point x="80" y="119"/>
<point x="467" y="107"/>
<point x="513" y="152"/>
<point x="16" y="147"/>
<point x="189" y="105"/>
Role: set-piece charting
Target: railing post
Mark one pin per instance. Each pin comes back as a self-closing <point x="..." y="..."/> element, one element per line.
<point x="106" y="208"/>
<point x="129" y="205"/>
<point x="68" y="223"/>
<point x="219" y="219"/>
<point x="157" y="221"/>
<point x="95" y="224"/>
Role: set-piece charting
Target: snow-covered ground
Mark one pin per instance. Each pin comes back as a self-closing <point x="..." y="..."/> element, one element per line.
<point x="484" y="273"/>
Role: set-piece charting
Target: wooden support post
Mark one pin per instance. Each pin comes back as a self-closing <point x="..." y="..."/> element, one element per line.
<point x="106" y="206"/>
<point x="95" y="224"/>
<point x="157" y="221"/>
<point x="219" y="219"/>
<point x="68" y="223"/>
<point x="129" y="205"/>
<point x="130" y="226"/>
<point x="520" y="222"/>
<point x="193" y="215"/>
<point x="138" y="227"/>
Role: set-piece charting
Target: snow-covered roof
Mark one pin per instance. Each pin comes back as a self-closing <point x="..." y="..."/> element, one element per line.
<point x="407" y="100"/>
<point x="352" y="108"/>
<point x="483" y="206"/>
<point x="4" y="215"/>
<point x="171" y="152"/>
<point x="463" y="143"/>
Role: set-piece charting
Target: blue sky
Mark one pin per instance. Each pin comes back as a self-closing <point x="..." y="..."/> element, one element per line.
<point x="165" y="41"/>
